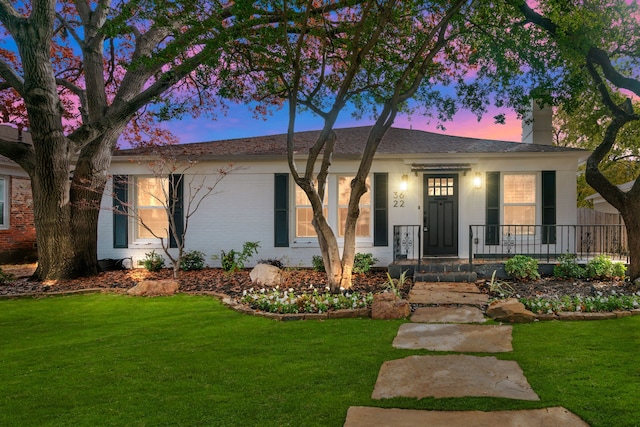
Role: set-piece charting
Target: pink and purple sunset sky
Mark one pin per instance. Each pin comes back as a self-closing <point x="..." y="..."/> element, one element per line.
<point x="240" y="123"/>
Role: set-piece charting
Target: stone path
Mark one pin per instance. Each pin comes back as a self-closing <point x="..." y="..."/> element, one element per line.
<point x="447" y="325"/>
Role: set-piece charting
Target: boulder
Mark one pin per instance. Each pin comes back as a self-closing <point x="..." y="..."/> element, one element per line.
<point x="266" y="275"/>
<point x="389" y="306"/>
<point x="152" y="288"/>
<point x="510" y="310"/>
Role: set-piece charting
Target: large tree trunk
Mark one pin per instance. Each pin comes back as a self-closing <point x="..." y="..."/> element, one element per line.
<point x="631" y="218"/>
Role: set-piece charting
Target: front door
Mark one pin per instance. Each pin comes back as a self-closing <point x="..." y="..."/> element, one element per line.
<point x="440" y="222"/>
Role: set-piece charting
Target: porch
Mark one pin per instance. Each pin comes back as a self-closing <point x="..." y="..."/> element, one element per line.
<point x="490" y="245"/>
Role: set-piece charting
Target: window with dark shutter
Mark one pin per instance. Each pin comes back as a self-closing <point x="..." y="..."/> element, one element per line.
<point x="548" y="207"/>
<point x="281" y="210"/>
<point x="380" y="209"/>
<point x="492" y="220"/>
<point x="120" y="214"/>
<point x="176" y="192"/>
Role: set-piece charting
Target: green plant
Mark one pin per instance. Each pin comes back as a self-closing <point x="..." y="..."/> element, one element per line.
<point x="600" y="267"/>
<point x="362" y="263"/>
<point x="317" y="262"/>
<point x="568" y="267"/>
<point x="500" y="288"/>
<point x="619" y="269"/>
<point x="233" y="260"/>
<point x="522" y="267"/>
<point x="153" y="261"/>
<point x="192" y="260"/>
<point x="286" y="301"/>
<point x="395" y="284"/>
<point x="5" y="277"/>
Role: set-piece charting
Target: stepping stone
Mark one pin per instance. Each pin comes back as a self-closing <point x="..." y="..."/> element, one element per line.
<point x="465" y="314"/>
<point x="447" y="293"/>
<point x="360" y="416"/>
<point x="459" y="338"/>
<point x="455" y="375"/>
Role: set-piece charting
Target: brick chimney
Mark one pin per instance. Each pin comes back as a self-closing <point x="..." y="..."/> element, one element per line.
<point x="537" y="126"/>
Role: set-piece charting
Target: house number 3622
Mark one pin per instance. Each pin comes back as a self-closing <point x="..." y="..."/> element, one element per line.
<point x="398" y="199"/>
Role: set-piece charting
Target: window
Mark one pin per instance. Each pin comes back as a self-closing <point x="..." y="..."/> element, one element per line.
<point x="304" y="213"/>
<point x="440" y="187"/>
<point x="150" y="203"/>
<point x="519" y="202"/>
<point x="4" y="218"/>
<point x="363" y="227"/>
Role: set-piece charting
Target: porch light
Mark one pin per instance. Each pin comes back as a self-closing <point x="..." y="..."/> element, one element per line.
<point x="477" y="181"/>
<point x="404" y="183"/>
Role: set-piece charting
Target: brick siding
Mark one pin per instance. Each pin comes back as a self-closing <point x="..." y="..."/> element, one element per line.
<point x="18" y="242"/>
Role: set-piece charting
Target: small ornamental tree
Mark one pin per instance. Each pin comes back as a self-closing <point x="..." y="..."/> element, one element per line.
<point x="182" y="191"/>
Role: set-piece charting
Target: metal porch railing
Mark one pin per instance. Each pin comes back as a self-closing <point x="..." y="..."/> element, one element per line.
<point x="547" y="242"/>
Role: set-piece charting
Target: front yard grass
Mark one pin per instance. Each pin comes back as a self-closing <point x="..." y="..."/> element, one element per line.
<point x="112" y="360"/>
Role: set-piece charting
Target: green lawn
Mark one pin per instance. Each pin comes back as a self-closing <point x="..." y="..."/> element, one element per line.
<point x="187" y="360"/>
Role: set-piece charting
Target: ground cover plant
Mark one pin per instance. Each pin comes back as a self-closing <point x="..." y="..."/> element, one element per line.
<point x="112" y="360"/>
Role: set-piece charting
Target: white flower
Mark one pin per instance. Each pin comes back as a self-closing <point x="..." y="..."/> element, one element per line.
<point x="290" y="289"/>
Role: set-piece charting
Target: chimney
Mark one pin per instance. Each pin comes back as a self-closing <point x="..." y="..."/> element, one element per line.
<point x="537" y="126"/>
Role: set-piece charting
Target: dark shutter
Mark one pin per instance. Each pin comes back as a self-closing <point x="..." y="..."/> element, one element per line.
<point x="492" y="233"/>
<point x="176" y="192"/>
<point x="380" y="209"/>
<point x="548" y="207"/>
<point x="281" y="210"/>
<point x="120" y="217"/>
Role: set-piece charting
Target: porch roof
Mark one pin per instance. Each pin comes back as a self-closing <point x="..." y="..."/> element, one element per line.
<point x="350" y="142"/>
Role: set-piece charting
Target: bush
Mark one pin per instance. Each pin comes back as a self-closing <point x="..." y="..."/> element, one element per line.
<point x="5" y="277"/>
<point x="272" y="261"/>
<point x="362" y="263"/>
<point x="568" y="267"/>
<point x="153" y="261"/>
<point x="233" y="260"/>
<point x="317" y="262"/>
<point x="522" y="267"/>
<point x="192" y="260"/>
<point x="601" y="267"/>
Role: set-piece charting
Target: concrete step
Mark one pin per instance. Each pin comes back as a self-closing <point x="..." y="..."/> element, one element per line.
<point x="450" y="276"/>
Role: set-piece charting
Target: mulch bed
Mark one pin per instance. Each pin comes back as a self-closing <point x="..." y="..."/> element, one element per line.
<point x="216" y="280"/>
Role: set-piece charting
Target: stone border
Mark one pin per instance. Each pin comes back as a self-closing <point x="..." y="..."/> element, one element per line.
<point x="337" y="314"/>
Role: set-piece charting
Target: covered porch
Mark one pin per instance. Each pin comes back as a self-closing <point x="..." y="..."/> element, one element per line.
<point x="490" y="245"/>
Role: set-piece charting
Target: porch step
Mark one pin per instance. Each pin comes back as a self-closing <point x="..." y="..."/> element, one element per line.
<point x="448" y="276"/>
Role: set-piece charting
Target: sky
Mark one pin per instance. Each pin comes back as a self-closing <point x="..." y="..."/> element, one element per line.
<point x="240" y="123"/>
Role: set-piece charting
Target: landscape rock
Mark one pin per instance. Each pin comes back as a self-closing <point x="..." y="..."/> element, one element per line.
<point x="389" y="306"/>
<point x="510" y="310"/>
<point x="152" y="288"/>
<point x="266" y="275"/>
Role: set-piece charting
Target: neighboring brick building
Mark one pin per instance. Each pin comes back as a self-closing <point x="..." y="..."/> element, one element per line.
<point x="17" y="229"/>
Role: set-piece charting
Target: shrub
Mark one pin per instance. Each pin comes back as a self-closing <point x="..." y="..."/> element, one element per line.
<point x="233" y="260"/>
<point x="568" y="267"/>
<point x="5" y="277"/>
<point x="317" y="262"/>
<point x="601" y="267"/>
<point x="286" y="301"/>
<point x="153" y="261"/>
<point x="192" y="260"/>
<point x="522" y="267"/>
<point x="272" y="261"/>
<point x="362" y="263"/>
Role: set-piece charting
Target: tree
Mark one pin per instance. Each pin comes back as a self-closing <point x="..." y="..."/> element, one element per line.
<point x="81" y="71"/>
<point x="600" y="43"/>
<point x="376" y="55"/>
<point x="178" y="189"/>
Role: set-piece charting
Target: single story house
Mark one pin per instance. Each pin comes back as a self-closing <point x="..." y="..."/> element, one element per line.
<point x="431" y="195"/>
<point x="17" y="228"/>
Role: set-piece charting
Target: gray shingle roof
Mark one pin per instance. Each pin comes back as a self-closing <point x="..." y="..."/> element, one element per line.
<point x="351" y="142"/>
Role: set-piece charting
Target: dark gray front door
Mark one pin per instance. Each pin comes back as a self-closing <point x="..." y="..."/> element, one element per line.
<point x="440" y="222"/>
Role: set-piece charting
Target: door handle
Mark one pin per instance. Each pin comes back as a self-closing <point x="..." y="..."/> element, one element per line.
<point x="425" y="229"/>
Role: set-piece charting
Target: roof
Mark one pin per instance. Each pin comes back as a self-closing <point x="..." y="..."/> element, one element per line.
<point x="351" y="142"/>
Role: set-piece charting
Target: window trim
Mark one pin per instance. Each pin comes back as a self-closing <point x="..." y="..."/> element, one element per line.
<point x="535" y="204"/>
<point x="339" y="234"/>
<point x="295" y="206"/>
<point x="134" y="225"/>
<point x="4" y="199"/>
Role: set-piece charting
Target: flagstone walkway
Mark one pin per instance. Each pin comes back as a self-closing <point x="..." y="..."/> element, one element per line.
<point x="451" y="323"/>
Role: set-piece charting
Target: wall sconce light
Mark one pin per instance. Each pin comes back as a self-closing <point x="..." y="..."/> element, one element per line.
<point x="477" y="181"/>
<point x="404" y="183"/>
